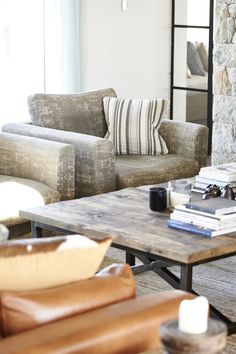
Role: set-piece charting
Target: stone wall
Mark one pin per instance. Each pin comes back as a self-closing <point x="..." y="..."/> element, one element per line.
<point x="224" y="107"/>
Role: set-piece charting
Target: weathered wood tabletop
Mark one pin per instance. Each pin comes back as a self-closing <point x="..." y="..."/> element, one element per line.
<point x="126" y="216"/>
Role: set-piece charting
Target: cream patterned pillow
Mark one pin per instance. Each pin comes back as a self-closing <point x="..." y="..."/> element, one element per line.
<point x="133" y="125"/>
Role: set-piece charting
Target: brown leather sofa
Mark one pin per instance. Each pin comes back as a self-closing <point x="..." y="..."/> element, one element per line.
<point x="100" y="315"/>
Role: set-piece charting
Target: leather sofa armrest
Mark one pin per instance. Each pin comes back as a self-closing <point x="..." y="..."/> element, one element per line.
<point x="94" y="157"/>
<point x="186" y="139"/>
<point x="25" y="310"/>
<point x="131" y="326"/>
<point x="48" y="162"/>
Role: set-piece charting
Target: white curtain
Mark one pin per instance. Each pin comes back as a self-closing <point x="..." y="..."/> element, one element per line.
<point x="39" y="52"/>
<point x="62" y="67"/>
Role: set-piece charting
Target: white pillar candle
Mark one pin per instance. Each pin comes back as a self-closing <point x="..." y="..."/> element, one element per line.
<point x="193" y="315"/>
<point x="178" y="198"/>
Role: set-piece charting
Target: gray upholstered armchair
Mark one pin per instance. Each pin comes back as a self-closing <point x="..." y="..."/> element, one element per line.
<point x="33" y="172"/>
<point x="79" y="120"/>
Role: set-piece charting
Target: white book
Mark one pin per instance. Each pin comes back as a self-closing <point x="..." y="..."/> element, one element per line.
<point x="204" y="218"/>
<point x="224" y="172"/>
<point x="201" y="185"/>
<point x="206" y="181"/>
<point x="202" y="221"/>
<point x="194" y="229"/>
<point x="221" y="217"/>
<point x="198" y="190"/>
<point x="217" y="206"/>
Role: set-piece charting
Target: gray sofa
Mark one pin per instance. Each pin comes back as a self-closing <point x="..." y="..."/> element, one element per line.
<point x="33" y="172"/>
<point x="79" y="120"/>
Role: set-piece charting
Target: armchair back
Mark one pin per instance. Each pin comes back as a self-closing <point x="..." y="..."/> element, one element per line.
<point x="81" y="113"/>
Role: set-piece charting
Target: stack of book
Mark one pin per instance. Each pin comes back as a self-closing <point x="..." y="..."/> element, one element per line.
<point x="220" y="175"/>
<point x="210" y="217"/>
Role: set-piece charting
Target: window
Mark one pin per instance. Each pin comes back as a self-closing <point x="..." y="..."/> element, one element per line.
<point x="39" y="52"/>
<point x="21" y="56"/>
<point x="191" y="61"/>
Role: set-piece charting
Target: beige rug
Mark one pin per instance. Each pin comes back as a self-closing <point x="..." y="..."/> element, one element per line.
<point x="217" y="281"/>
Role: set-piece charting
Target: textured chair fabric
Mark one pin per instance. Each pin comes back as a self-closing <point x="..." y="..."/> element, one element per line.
<point x="81" y="113"/>
<point x="186" y="139"/>
<point x="98" y="170"/>
<point x="39" y="160"/>
<point x="33" y="172"/>
<point x="134" y="171"/>
<point x="94" y="157"/>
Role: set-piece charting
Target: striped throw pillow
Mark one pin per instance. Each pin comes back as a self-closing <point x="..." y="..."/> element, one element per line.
<point x="133" y="125"/>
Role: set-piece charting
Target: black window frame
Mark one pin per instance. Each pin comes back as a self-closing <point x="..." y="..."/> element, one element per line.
<point x="209" y="90"/>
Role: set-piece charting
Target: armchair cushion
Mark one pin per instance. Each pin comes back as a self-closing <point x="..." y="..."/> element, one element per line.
<point x="138" y="170"/>
<point x="81" y="113"/>
<point x="20" y="193"/>
<point x="21" y="311"/>
<point x="51" y="261"/>
<point x="133" y="125"/>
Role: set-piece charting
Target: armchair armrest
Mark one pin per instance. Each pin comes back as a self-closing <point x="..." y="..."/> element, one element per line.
<point x="39" y="160"/>
<point x="94" y="157"/>
<point x="186" y="139"/>
<point x="131" y="326"/>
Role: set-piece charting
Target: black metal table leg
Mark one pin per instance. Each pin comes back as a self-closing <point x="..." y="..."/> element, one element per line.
<point x="153" y="263"/>
<point x="232" y="328"/>
<point x="35" y="230"/>
<point x="186" y="277"/>
<point x="130" y="258"/>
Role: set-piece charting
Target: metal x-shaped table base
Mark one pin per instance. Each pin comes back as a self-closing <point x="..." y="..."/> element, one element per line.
<point x="157" y="264"/>
<point x="160" y="267"/>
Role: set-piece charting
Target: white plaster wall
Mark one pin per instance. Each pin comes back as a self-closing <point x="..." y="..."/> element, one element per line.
<point x="129" y="51"/>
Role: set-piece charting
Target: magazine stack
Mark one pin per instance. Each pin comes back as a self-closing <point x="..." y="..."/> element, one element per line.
<point x="210" y="217"/>
<point x="220" y="175"/>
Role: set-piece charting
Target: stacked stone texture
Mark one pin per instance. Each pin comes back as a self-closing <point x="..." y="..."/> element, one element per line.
<point x="224" y="109"/>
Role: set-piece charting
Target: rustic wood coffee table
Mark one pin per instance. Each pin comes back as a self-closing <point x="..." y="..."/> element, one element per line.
<point x="142" y="233"/>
